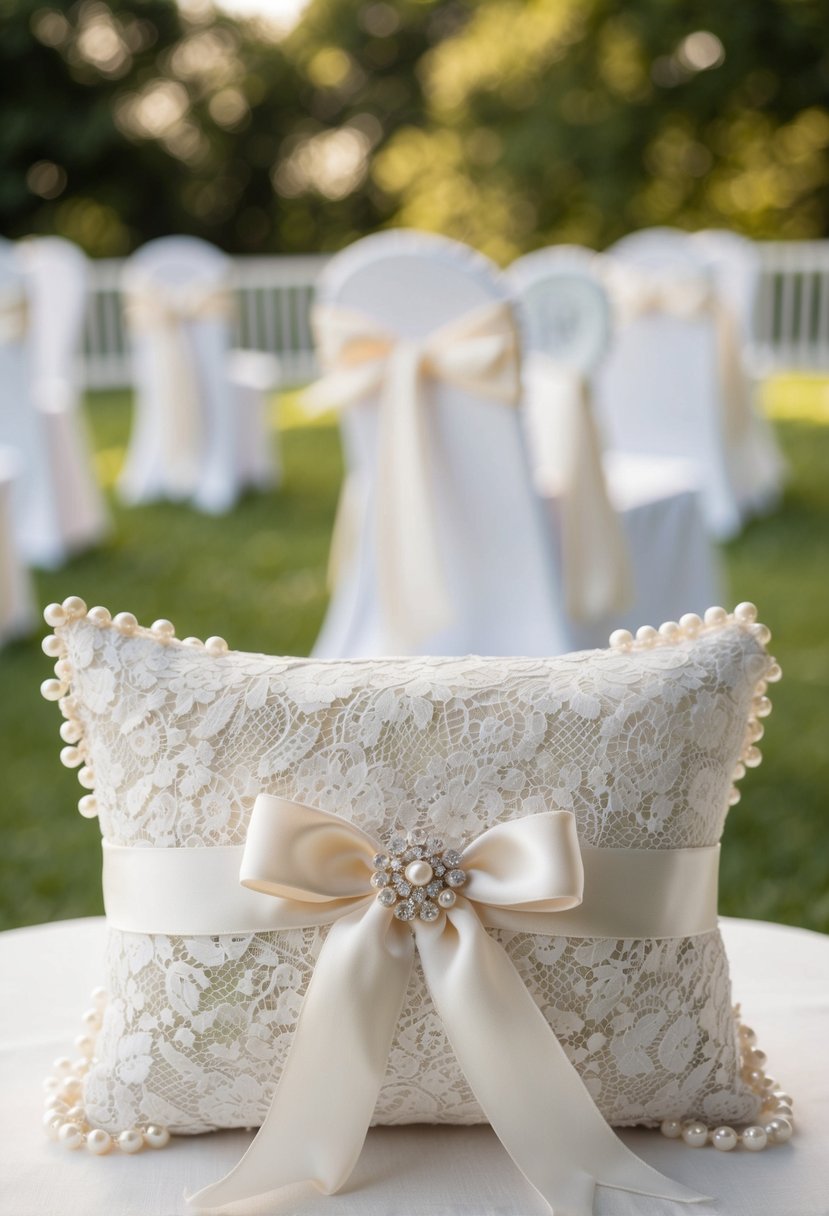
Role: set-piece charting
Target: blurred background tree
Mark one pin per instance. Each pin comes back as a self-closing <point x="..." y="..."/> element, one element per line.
<point x="507" y="123"/>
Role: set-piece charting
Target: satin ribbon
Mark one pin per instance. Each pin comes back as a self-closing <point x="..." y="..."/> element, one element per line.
<point x="637" y="292"/>
<point x="326" y="1095"/>
<point x="477" y="354"/>
<point x="14" y="317"/>
<point x="164" y="313"/>
<point x="567" y="460"/>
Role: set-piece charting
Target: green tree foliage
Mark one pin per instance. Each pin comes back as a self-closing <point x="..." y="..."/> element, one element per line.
<point x="508" y="123"/>
<point x="579" y="120"/>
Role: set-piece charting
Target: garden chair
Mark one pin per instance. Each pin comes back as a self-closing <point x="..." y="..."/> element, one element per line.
<point x="629" y="529"/>
<point x="195" y="436"/>
<point x="440" y="545"/>
<point x="17" y="601"/>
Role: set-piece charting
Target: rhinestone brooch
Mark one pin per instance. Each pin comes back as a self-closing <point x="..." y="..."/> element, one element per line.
<point x="418" y="877"/>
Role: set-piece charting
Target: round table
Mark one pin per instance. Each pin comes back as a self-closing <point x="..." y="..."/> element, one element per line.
<point x="781" y="978"/>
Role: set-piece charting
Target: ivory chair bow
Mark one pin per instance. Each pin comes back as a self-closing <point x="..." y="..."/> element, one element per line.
<point x="637" y="292"/>
<point x="14" y="316"/>
<point x="320" y="867"/>
<point x="567" y="459"/>
<point x="164" y="312"/>
<point x="478" y="354"/>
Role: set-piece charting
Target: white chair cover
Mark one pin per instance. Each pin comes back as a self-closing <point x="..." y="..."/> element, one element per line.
<point x="42" y="536"/>
<point x="189" y="435"/>
<point x="255" y="376"/>
<point x="57" y="286"/>
<point x="672" y="385"/>
<point x="427" y="423"/>
<point x="17" y="601"/>
<point x="630" y="531"/>
<point x="759" y="468"/>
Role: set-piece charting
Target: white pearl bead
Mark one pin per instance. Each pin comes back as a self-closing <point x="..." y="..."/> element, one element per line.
<point x="53" y="690"/>
<point x="164" y="628"/>
<point x="54" y="1103"/>
<point x="419" y="873"/>
<point x="125" y="622"/>
<point x="68" y="706"/>
<point x="86" y="777"/>
<point x="755" y="1078"/>
<point x="52" y="1124"/>
<point x="92" y="1019"/>
<point x="724" y="1138"/>
<point x="646" y="635"/>
<point x="753" y="757"/>
<point x="759" y="1059"/>
<point x="778" y="1130"/>
<point x="754" y="1138"/>
<point x="762" y="707"/>
<point x="695" y="1134"/>
<point x="73" y="605"/>
<point x="88" y="806"/>
<point x="54" y="615"/>
<point x="447" y="898"/>
<point x="739" y="771"/>
<point x="131" y="1140"/>
<point x="70" y="1136"/>
<point x="76" y="1114"/>
<point x="774" y="673"/>
<point x="70" y="757"/>
<point x="100" y="615"/>
<point x="734" y="796"/>
<point x="52" y="646"/>
<point x="745" y="613"/>
<point x="749" y="1035"/>
<point x="762" y="633"/>
<point x="156" y="1136"/>
<point x="80" y="1067"/>
<point x="216" y="647"/>
<point x="85" y="1045"/>
<point x="51" y="1084"/>
<point x="690" y="624"/>
<point x="672" y="1128"/>
<point x="620" y="639"/>
<point x="63" y="670"/>
<point x="62" y="1066"/>
<point x="715" y="616"/>
<point x="99" y="997"/>
<point x="98" y="1141"/>
<point x="70" y="1090"/>
<point x="781" y="1111"/>
<point x="786" y="1099"/>
<point x="70" y="732"/>
<point x="194" y="642"/>
<point x="669" y="630"/>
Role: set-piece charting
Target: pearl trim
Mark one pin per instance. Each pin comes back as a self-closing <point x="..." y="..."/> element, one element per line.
<point x="65" y="1119"/>
<point x="776" y="1121"/>
<point x="74" y="755"/>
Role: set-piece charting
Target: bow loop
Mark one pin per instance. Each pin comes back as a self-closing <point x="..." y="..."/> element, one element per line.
<point x="527" y="864"/>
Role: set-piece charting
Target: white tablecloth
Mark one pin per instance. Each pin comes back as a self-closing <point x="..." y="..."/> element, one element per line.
<point x="781" y="976"/>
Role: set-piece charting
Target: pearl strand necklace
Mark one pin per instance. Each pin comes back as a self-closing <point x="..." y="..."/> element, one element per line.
<point x="65" y="1118"/>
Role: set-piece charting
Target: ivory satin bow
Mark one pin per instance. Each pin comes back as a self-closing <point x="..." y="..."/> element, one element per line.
<point x="319" y="866"/>
<point x="477" y="354"/>
<point x="14" y="317"/>
<point x="164" y="314"/>
<point x="567" y="461"/>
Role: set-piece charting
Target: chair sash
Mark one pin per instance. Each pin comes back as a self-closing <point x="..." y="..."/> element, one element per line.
<point x="164" y="314"/>
<point x="14" y="317"/>
<point x="567" y="462"/>
<point x="479" y="355"/>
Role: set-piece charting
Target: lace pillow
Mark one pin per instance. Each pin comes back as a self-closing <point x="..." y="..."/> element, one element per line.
<point x="640" y="743"/>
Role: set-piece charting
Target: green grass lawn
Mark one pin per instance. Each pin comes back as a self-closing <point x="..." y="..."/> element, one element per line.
<point x="258" y="578"/>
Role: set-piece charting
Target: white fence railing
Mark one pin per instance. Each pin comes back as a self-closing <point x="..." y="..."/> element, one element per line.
<point x="790" y="331"/>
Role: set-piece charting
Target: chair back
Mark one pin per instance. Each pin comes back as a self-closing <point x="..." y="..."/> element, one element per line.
<point x="57" y="283"/>
<point x="493" y="551"/>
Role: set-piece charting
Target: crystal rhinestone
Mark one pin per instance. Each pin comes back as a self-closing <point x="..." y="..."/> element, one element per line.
<point x="434" y="844"/>
<point x="439" y="868"/>
<point x="405" y="911"/>
<point x="398" y="844"/>
<point x="387" y="897"/>
<point x="380" y="879"/>
<point x="414" y="853"/>
<point x="451" y="858"/>
<point x="418" y="895"/>
<point x="404" y="888"/>
<point x="434" y="888"/>
<point x="397" y="863"/>
<point x="417" y="836"/>
<point x="456" y="878"/>
<point x="381" y="861"/>
<point x="429" y="911"/>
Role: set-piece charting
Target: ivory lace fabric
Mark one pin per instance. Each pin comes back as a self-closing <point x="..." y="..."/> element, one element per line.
<point x="640" y="746"/>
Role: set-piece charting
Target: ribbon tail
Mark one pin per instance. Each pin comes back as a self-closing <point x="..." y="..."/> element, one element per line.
<point x="529" y="1091"/>
<point x="325" y="1098"/>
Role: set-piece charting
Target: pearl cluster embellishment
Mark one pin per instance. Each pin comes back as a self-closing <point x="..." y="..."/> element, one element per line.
<point x="74" y="755"/>
<point x="692" y="626"/>
<point x="418" y="877"/>
<point x="775" y="1126"/>
<point x="65" y="1118"/>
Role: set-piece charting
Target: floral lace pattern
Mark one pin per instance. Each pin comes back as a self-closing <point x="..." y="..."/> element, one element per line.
<point x="640" y="746"/>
